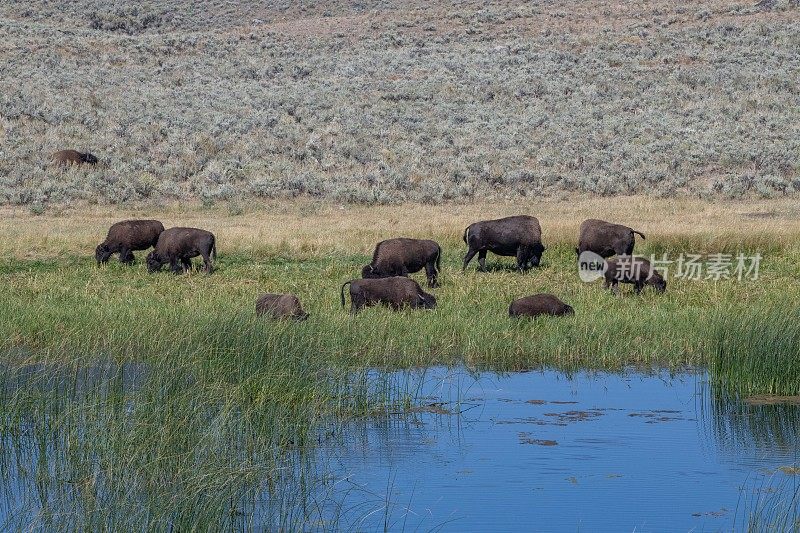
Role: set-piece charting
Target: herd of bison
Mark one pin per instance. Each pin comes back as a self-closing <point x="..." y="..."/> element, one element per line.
<point x="385" y="280"/>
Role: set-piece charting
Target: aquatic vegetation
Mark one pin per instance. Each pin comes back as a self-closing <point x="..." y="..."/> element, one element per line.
<point x="757" y="350"/>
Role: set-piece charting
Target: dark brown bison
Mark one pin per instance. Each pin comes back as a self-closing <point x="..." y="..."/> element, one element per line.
<point x="635" y="270"/>
<point x="518" y="235"/>
<point x="539" y="304"/>
<point x="125" y="237"/>
<point x="73" y="157"/>
<point x="395" y="292"/>
<point x="177" y="246"/>
<point x="401" y="257"/>
<point x="606" y="239"/>
<point x="280" y="306"/>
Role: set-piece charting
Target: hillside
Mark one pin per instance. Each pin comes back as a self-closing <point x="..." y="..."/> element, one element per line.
<point x="386" y="102"/>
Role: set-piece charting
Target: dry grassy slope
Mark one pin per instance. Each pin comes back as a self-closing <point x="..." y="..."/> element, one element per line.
<point x="386" y="102"/>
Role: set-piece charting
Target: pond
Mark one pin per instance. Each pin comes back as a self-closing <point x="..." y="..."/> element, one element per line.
<point x="529" y="451"/>
<point x="540" y="451"/>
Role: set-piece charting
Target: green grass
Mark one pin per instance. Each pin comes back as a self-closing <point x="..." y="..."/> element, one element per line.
<point x="757" y="351"/>
<point x="224" y="403"/>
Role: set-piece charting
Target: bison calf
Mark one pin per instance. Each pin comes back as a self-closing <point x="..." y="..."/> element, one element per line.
<point x="280" y="306"/>
<point x="402" y="256"/>
<point x="177" y="246"/>
<point x="519" y="236"/>
<point x="606" y="239"/>
<point x="73" y="157"/>
<point x="635" y="270"/>
<point x="396" y="292"/>
<point x="539" y="304"/>
<point x="127" y="236"/>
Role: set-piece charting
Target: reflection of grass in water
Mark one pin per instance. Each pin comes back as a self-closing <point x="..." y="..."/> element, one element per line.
<point x="740" y="425"/>
<point x="757" y="351"/>
<point x="772" y="508"/>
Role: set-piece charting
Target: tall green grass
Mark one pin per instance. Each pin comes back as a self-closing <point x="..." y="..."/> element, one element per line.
<point x="138" y="401"/>
<point x="757" y="351"/>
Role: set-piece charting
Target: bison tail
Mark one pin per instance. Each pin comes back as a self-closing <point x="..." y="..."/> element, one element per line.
<point x="341" y="292"/>
<point x="640" y="234"/>
<point x="466" y="235"/>
<point x="438" y="259"/>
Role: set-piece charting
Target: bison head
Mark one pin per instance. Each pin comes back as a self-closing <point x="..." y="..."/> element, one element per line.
<point x="427" y="301"/>
<point x="536" y="255"/>
<point x="369" y="272"/>
<point x="154" y="262"/>
<point x="102" y="253"/>
<point x="89" y="158"/>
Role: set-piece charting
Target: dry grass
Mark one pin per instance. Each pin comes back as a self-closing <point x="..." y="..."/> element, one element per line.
<point x="312" y="228"/>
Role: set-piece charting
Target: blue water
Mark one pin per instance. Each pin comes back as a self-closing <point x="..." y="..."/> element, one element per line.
<point x="539" y="451"/>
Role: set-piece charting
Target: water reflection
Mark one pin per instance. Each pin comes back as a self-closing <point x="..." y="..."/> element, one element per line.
<point x="121" y="446"/>
<point x="541" y="452"/>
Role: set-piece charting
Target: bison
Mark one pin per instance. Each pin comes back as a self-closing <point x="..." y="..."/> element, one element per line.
<point x="518" y="235"/>
<point x="606" y="239"/>
<point x="73" y="157"/>
<point x="125" y="237"/>
<point x="635" y="270"/>
<point x="177" y="246"/>
<point x="280" y="306"/>
<point x="400" y="257"/>
<point x="539" y="304"/>
<point x="395" y="292"/>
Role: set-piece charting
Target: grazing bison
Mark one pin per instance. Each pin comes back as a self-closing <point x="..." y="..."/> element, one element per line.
<point x="395" y="292"/>
<point x="400" y="257"/>
<point x="73" y="157"/>
<point x="606" y="239"/>
<point x="635" y="270"/>
<point x="125" y="237"/>
<point x="280" y="306"/>
<point x="519" y="235"/>
<point x="177" y="246"/>
<point x="539" y="304"/>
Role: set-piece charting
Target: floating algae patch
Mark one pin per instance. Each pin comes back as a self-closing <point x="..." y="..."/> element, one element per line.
<point x="526" y="438"/>
<point x="769" y="399"/>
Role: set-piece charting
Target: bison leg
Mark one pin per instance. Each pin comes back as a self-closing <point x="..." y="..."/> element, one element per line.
<point x="207" y="265"/>
<point x="126" y="256"/>
<point x="173" y="265"/>
<point x="432" y="274"/>
<point x="467" y="258"/>
<point x="522" y="259"/>
<point x="482" y="260"/>
<point x="356" y="304"/>
<point x="637" y="287"/>
<point x="186" y="263"/>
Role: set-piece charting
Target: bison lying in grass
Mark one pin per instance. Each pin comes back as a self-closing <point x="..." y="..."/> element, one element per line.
<point x="177" y="246"/>
<point x="539" y="304"/>
<point x="72" y="157"/>
<point x="396" y="293"/>
<point x="519" y="236"/>
<point x="126" y="237"/>
<point x="606" y="239"/>
<point x="280" y="306"/>
<point x="402" y="256"/>
<point x="634" y="270"/>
